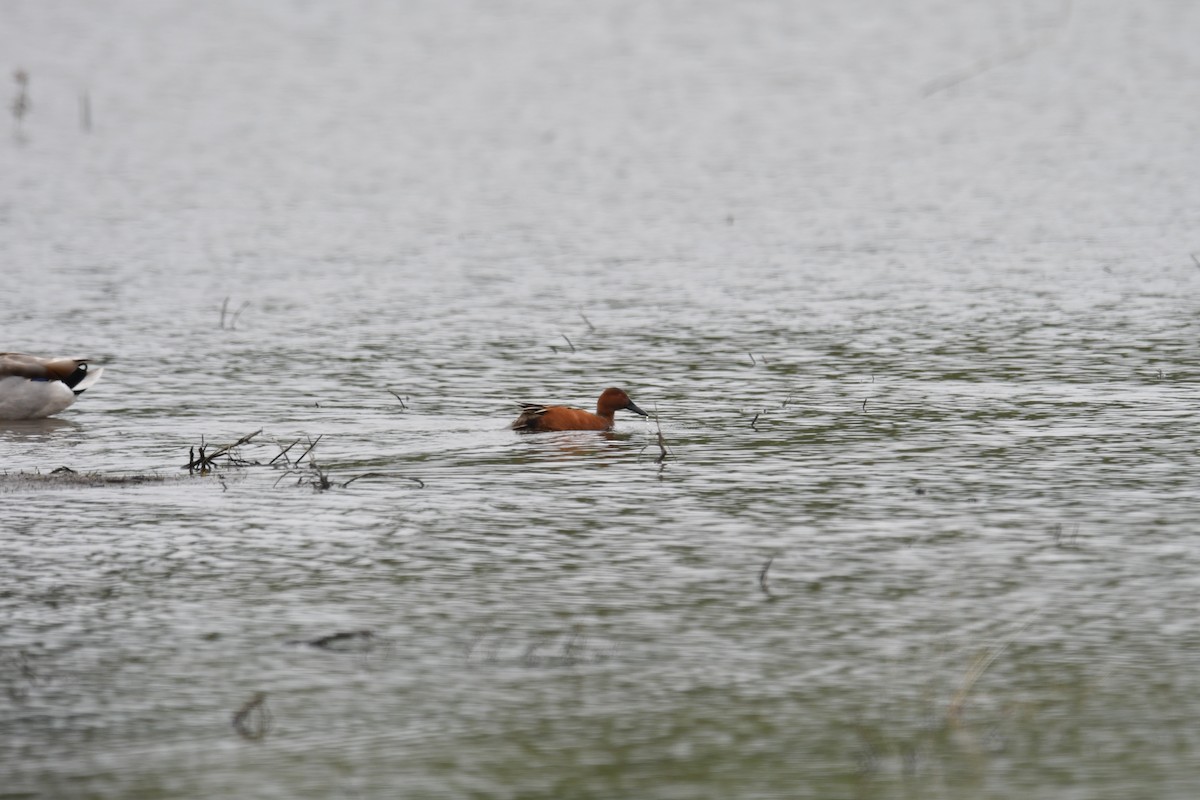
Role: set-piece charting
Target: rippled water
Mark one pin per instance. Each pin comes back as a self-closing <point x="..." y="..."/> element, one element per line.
<point x="909" y="287"/>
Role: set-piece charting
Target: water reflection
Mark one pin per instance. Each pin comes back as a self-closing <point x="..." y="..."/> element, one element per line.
<point x="36" y="429"/>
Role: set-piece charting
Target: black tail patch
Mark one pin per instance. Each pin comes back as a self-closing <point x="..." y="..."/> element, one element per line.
<point x="75" y="377"/>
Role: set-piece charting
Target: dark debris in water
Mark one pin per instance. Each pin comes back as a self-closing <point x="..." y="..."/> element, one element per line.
<point x="208" y="461"/>
<point x="342" y="641"/>
<point x="253" y="719"/>
<point x="66" y="477"/>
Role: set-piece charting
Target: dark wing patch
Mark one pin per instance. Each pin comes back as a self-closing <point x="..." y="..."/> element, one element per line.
<point x="531" y="413"/>
<point x="44" y="369"/>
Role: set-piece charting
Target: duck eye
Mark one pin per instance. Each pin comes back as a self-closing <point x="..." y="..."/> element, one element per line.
<point x="83" y="367"/>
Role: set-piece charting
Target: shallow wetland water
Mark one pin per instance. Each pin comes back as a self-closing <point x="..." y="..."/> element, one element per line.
<point x="908" y="286"/>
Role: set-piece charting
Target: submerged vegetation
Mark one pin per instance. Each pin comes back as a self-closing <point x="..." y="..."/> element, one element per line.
<point x="304" y="468"/>
<point x="207" y="459"/>
<point x="66" y="477"/>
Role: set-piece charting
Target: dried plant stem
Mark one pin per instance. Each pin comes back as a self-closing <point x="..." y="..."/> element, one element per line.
<point x="233" y="318"/>
<point x="979" y="666"/>
<point x="203" y="461"/>
<point x="762" y="578"/>
<point x="1034" y="43"/>
<point x="311" y="445"/>
<point x="283" y="451"/>
<point x="253" y="720"/>
<point x="663" y="450"/>
<point x="420" y="483"/>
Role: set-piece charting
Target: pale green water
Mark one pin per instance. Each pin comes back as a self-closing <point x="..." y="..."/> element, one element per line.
<point x="935" y="355"/>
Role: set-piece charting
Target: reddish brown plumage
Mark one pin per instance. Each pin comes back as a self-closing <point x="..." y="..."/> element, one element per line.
<point x="536" y="418"/>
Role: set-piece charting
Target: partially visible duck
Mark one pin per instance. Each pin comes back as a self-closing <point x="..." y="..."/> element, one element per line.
<point x="536" y="417"/>
<point x="32" y="387"/>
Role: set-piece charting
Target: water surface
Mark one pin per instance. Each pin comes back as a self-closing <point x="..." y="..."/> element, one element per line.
<point x="908" y="286"/>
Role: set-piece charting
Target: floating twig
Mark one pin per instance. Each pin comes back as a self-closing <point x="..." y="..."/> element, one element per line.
<point x="253" y="720"/>
<point x="568" y="342"/>
<point x="320" y="478"/>
<point x="752" y="425"/>
<point x="238" y="313"/>
<point x="204" y="461"/>
<point x="311" y="445"/>
<point x="588" y="322"/>
<point x="663" y="450"/>
<point x="864" y="405"/>
<point x="317" y="477"/>
<point x="341" y="637"/>
<point x="364" y="475"/>
<point x="403" y="405"/>
<point x="752" y="361"/>
<point x="233" y="317"/>
<point x="1196" y="259"/>
<point x="283" y="451"/>
<point x="1061" y="540"/>
<point x="762" y="578"/>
